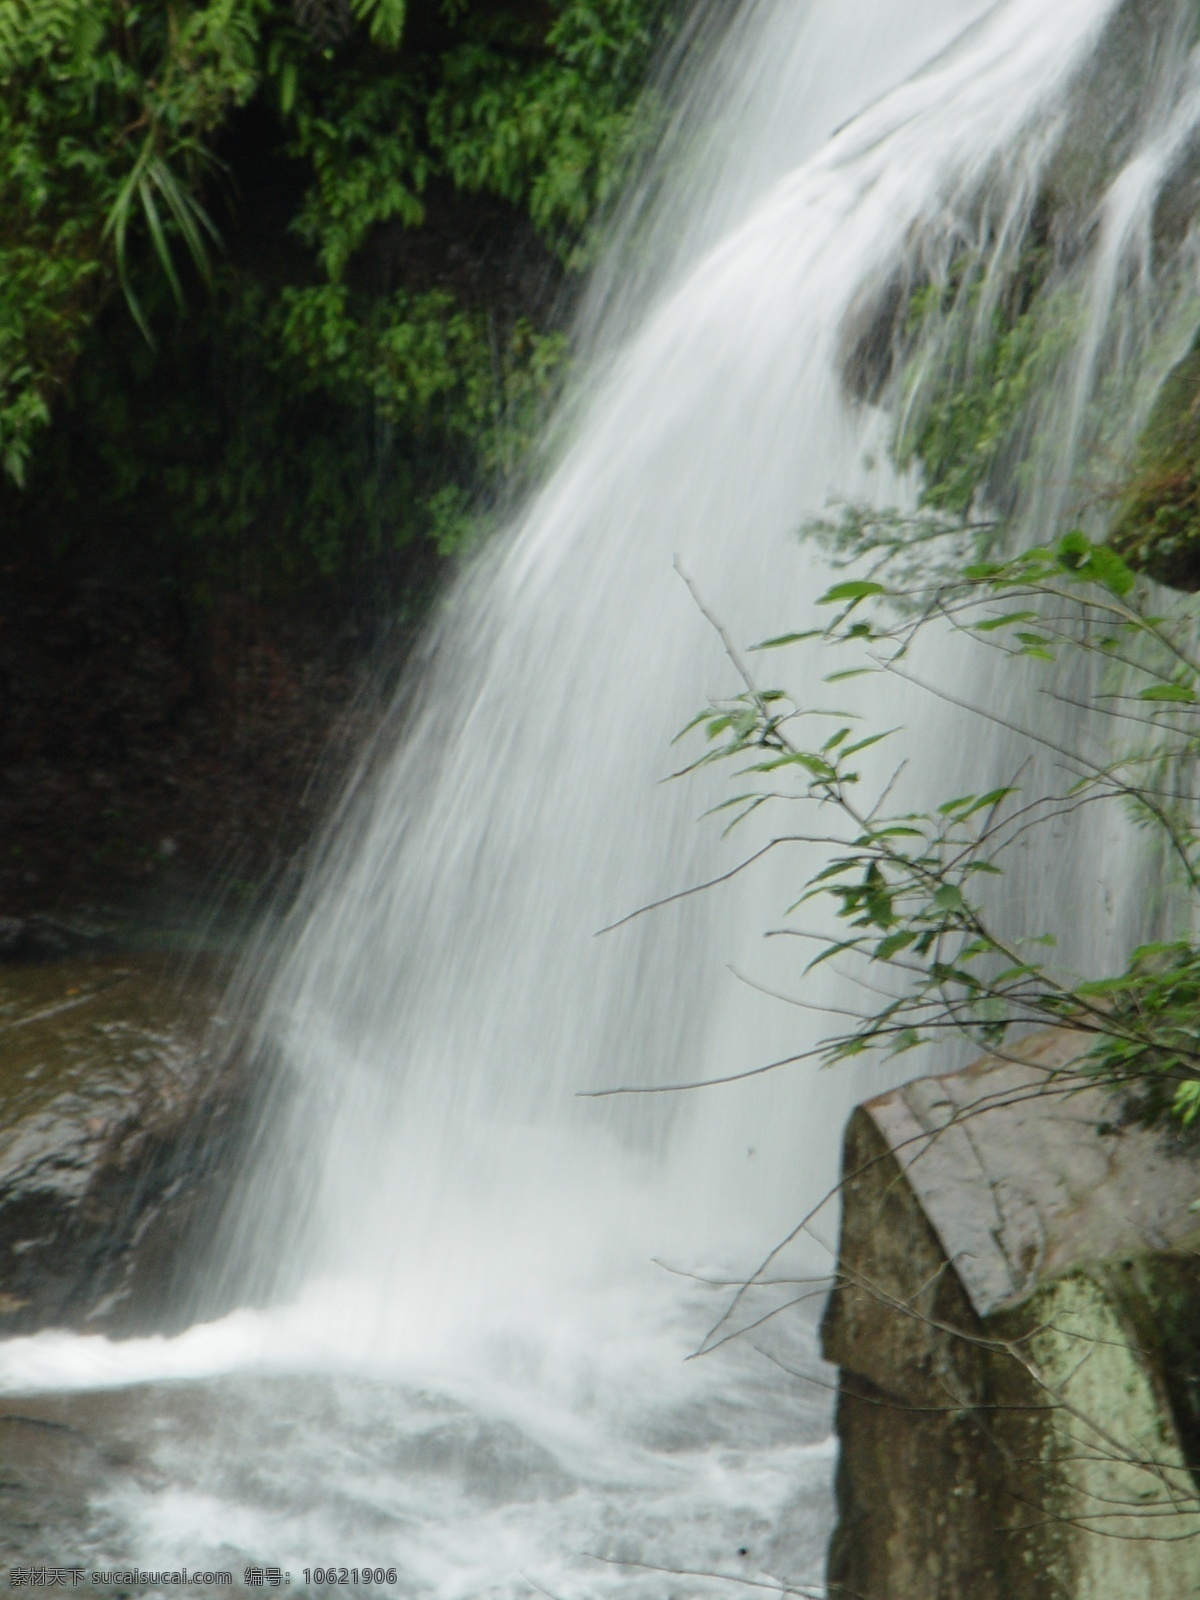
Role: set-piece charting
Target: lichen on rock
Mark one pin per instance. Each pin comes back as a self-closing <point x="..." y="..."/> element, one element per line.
<point x="1016" y="1319"/>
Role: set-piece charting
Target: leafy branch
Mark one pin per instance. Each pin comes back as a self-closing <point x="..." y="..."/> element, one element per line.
<point x="907" y="888"/>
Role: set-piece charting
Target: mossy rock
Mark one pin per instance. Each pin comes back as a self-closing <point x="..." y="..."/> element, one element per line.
<point x="1157" y="527"/>
<point x="1016" y="1317"/>
<point x="970" y="339"/>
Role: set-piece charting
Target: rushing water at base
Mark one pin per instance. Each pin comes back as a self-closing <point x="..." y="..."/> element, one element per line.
<point x="484" y="1285"/>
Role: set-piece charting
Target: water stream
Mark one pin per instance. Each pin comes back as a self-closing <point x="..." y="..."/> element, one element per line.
<point x="474" y="1290"/>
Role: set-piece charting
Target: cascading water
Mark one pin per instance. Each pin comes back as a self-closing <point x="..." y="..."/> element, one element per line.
<point x="470" y="1366"/>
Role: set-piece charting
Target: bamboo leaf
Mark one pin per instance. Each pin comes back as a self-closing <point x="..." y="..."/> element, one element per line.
<point x="993" y="623"/>
<point x="893" y="944"/>
<point x="1174" y="693"/>
<point x="158" y="238"/>
<point x="858" y="589"/>
<point x="788" y="638"/>
<point x="865" y="744"/>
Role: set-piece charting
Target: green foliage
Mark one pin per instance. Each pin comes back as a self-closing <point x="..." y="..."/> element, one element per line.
<point x="31" y="33"/>
<point x="122" y="185"/>
<point x="361" y="139"/>
<point x="1157" y="523"/>
<point x="559" y="136"/>
<point x="385" y="19"/>
<point x="980" y="357"/>
<point x="978" y="348"/>
<point x="103" y="114"/>
<point x="908" y="887"/>
<point x="322" y="442"/>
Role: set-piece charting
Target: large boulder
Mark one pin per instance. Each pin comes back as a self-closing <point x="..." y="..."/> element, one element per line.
<point x="120" y="1101"/>
<point x="1017" y="1321"/>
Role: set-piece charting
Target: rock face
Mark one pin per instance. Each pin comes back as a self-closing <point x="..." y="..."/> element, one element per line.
<point x="1017" y="1323"/>
<point x="119" y="1103"/>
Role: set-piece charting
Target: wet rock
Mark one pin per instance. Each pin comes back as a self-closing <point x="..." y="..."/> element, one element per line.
<point x="119" y="1102"/>
<point x="46" y="937"/>
<point x="1017" y="1323"/>
<point x="62" y="1455"/>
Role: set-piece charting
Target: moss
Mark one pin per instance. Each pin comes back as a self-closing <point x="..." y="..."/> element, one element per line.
<point x="1158" y="1294"/>
<point x="970" y="381"/>
<point x="980" y="344"/>
<point x="1157" y="524"/>
<point x="1113" y="1463"/>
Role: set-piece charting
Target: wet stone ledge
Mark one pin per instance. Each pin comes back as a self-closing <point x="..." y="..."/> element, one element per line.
<point x="119" y="1103"/>
<point x="1017" y="1323"/>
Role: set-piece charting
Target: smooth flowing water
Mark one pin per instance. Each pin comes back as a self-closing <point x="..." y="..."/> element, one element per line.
<point x="480" y="1286"/>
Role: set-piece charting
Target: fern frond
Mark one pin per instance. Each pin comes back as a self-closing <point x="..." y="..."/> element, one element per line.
<point x="33" y="30"/>
<point x="385" y="18"/>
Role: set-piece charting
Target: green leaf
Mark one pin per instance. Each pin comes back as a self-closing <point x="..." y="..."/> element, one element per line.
<point x="992" y="623"/>
<point x="832" y="950"/>
<point x="815" y="765"/>
<point x="1110" y="571"/>
<point x="1073" y="550"/>
<point x="386" y="18"/>
<point x="859" y="589"/>
<point x="865" y="744"/>
<point x="161" y="248"/>
<point x="1186" y="1102"/>
<point x="697" y="720"/>
<point x="1102" y="987"/>
<point x="1158" y="950"/>
<point x="788" y="638"/>
<point x="1176" y="693"/>
<point x="289" y="77"/>
<point x="949" y="898"/>
<point x="1011" y="974"/>
<point x="906" y="1039"/>
<point x="985" y="801"/>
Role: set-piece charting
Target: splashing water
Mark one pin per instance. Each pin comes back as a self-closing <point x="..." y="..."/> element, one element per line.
<point x="471" y="1365"/>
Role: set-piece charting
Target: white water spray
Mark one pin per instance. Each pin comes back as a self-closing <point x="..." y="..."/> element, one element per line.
<point x="448" y="1000"/>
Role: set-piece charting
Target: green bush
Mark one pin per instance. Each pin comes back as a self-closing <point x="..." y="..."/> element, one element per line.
<point x="212" y="331"/>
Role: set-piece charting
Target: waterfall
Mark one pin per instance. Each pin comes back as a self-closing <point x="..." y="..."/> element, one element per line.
<point x="435" y="1199"/>
<point x="447" y="1001"/>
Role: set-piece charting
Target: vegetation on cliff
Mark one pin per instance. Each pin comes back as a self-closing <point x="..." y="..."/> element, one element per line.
<point x="280" y="279"/>
<point x="973" y="346"/>
<point x="970" y="420"/>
